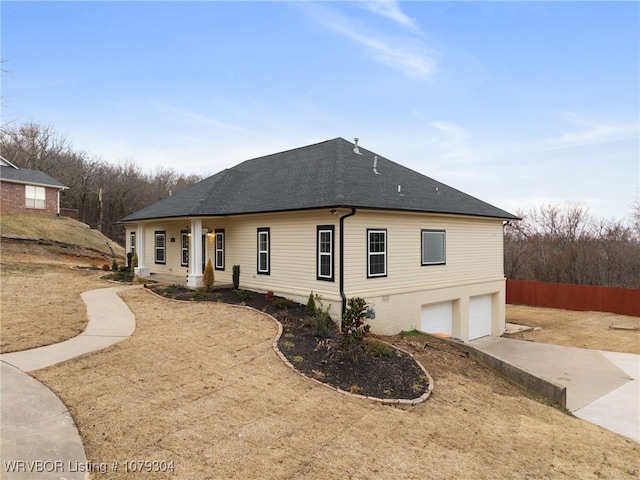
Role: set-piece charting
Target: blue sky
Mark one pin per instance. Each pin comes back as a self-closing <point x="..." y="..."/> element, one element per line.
<point x="517" y="103"/>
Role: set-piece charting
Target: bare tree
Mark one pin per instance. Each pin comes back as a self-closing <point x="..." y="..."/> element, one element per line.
<point x="565" y="244"/>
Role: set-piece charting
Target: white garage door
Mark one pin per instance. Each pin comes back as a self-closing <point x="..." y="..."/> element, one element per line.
<point x="437" y="318"/>
<point x="479" y="316"/>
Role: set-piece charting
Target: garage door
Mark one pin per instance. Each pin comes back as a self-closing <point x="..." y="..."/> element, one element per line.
<point x="479" y="316"/>
<point x="437" y="318"/>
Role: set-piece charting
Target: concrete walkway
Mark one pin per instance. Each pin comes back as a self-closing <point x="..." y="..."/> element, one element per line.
<point x="38" y="438"/>
<point x="602" y="387"/>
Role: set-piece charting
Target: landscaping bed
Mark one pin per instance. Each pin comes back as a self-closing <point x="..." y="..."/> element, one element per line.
<point x="370" y="367"/>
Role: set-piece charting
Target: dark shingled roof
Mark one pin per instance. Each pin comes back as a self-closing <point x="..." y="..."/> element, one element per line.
<point x="31" y="177"/>
<point x="324" y="175"/>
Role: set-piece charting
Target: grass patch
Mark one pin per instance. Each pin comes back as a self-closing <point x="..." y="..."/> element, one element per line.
<point x="413" y="334"/>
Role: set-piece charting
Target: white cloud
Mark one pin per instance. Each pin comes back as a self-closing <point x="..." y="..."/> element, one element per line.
<point x="412" y="58"/>
<point x="595" y="134"/>
<point x="407" y="54"/>
<point x="391" y="10"/>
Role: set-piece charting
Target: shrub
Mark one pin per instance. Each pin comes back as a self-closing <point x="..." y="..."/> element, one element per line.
<point x="198" y="295"/>
<point x="354" y="327"/>
<point x="282" y="303"/>
<point x="208" y="277"/>
<point x="312" y="309"/>
<point x="243" y="294"/>
<point x="134" y="261"/>
<point x="114" y="265"/>
<point x="320" y="319"/>
<point x="129" y="260"/>
<point x="106" y="267"/>
<point x="379" y="349"/>
<point x="236" y="277"/>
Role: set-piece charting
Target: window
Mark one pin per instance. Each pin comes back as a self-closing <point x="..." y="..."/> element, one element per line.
<point x="36" y="197"/>
<point x="433" y="247"/>
<point x="325" y="252"/>
<point x="263" y="251"/>
<point x="219" y="250"/>
<point x="184" y="248"/>
<point x="377" y="253"/>
<point x="132" y="237"/>
<point x="160" y="247"/>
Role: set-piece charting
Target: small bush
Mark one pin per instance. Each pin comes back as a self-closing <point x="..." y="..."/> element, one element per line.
<point x="354" y="327"/>
<point x="242" y="294"/>
<point x="106" y="267"/>
<point x="321" y="319"/>
<point x="129" y="258"/>
<point x="114" y="265"/>
<point x="282" y="303"/>
<point x="134" y="261"/>
<point x="312" y="309"/>
<point x="208" y="277"/>
<point x="236" y="277"/>
<point x="169" y="291"/>
<point x="198" y="295"/>
<point x="378" y="349"/>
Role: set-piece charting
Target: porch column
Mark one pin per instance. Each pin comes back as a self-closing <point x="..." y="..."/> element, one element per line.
<point x="141" y="270"/>
<point x="194" y="279"/>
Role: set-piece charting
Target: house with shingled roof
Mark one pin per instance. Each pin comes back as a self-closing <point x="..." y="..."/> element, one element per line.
<point x="340" y="221"/>
<point x="28" y="191"/>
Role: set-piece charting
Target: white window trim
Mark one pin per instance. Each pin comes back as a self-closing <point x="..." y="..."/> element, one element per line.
<point x="266" y="233"/>
<point x="219" y="234"/>
<point x="156" y="249"/>
<point x="424" y="234"/>
<point x="325" y="230"/>
<point x="370" y="253"/>
<point x="35" y="194"/>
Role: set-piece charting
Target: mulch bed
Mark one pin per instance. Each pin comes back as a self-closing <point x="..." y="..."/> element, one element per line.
<point x="356" y="369"/>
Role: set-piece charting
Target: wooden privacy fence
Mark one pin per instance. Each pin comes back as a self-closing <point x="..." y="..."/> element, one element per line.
<point x="625" y="301"/>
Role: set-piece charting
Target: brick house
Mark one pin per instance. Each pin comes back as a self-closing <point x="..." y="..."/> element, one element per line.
<point x="28" y="191"/>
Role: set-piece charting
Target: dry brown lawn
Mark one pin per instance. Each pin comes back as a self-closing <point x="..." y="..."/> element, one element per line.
<point x="40" y="303"/>
<point x="577" y="329"/>
<point x="199" y="384"/>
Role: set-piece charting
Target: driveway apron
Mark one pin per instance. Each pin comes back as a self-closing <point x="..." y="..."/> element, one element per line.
<point x="602" y="387"/>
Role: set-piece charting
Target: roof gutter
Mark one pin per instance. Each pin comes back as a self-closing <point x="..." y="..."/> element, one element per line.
<point x="342" y="294"/>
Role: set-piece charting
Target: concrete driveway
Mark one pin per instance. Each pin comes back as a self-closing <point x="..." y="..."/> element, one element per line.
<point x="602" y="387"/>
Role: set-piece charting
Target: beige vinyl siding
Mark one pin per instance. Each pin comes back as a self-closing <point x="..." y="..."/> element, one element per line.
<point x="474" y="266"/>
<point x="474" y="252"/>
<point x="474" y="262"/>
<point x="293" y="256"/>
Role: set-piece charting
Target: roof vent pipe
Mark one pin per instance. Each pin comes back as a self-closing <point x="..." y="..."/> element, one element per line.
<point x="356" y="149"/>
<point x="375" y="165"/>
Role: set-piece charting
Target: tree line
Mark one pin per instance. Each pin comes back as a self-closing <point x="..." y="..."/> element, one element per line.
<point x="565" y="244"/>
<point x="102" y="193"/>
<point x="551" y="243"/>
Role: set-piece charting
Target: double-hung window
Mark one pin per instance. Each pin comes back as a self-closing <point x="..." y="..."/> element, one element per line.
<point x="36" y="197"/>
<point x="325" y="252"/>
<point x="376" y="253"/>
<point x="184" y="248"/>
<point x="433" y="247"/>
<point x="264" y="251"/>
<point x="160" y="244"/>
<point x="219" y="250"/>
